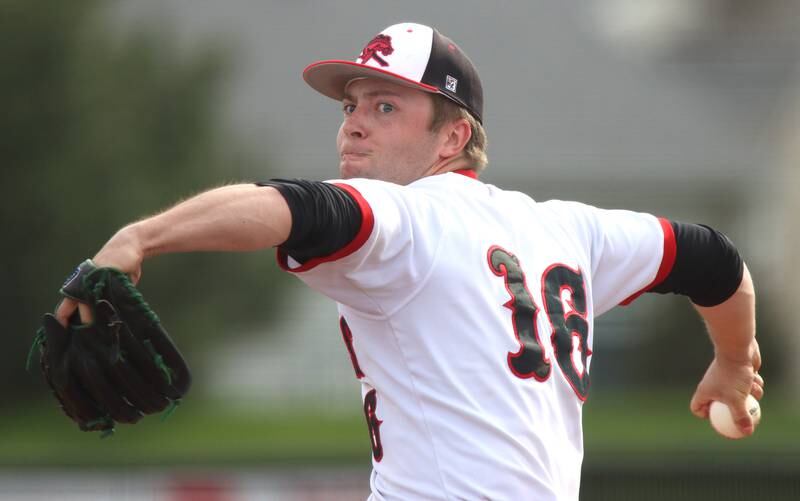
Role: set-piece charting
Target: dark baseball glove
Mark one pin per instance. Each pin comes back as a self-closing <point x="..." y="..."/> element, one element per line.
<point x="118" y="368"/>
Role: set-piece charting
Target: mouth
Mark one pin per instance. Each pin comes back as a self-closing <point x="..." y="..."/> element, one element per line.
<point x="352" y="156"/>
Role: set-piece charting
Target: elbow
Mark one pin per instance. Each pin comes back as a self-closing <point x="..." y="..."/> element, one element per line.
<point x="708" y="268"/>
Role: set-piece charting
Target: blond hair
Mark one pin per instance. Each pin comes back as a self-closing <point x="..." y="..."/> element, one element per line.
<point x="446" y="111"/>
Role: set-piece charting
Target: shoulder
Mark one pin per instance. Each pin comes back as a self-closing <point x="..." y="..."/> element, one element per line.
<point x="430" y="187"/>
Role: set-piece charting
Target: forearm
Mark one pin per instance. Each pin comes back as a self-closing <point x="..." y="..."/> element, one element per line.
<point x="733" y="373"/>
<point x="241" y="217"/>
<point x="731" y="324"/>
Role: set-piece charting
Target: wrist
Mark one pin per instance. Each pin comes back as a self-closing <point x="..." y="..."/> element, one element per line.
<point x="737" y="355"/>
<point x="124" y="248"/>
<point x="135" y="236"/>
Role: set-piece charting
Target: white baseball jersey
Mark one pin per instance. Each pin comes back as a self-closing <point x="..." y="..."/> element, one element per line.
<point x="467" y="312"/>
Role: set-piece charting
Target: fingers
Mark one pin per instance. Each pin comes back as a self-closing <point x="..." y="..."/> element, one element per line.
<point x="757" y="388"/>
<point x="699" y="406"/>
<point x="65" y="310"/>
<point x="85" y="313"/>
<point x="741" y="417"/>
<point x="756" y="356"/>
<point x="136" y="275"/>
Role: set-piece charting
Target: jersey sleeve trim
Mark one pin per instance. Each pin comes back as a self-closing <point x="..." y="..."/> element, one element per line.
<point x="667" y="260"/>
<point x="367" y="224"/>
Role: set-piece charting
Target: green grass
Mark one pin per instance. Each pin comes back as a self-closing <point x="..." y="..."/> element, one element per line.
<point x="198" y="433"/>
<point x="660" y="427"/>
<point x="633" y="427"/>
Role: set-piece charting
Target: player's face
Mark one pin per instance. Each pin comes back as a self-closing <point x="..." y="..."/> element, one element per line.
<point x="386" y="133"/>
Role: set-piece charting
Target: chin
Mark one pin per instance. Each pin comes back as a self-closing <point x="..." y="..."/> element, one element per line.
<point x="349" y="170"/>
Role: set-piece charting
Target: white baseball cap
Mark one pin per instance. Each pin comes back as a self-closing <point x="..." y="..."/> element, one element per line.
<point x="409" y="54"/>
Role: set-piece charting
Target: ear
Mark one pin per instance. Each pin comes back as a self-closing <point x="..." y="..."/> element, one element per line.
<point x="456" y="136"/>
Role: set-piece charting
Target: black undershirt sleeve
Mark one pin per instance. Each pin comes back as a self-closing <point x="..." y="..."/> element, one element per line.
<point x="325" y="218"/>
<point x="708" y="268"/>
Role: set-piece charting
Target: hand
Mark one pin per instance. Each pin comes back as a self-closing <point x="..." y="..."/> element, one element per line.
<point x="123" y="251"/>
<point x="730" y="381"/>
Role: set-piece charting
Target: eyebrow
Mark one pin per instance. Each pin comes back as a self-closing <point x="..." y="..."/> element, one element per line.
<point x="373" y="93"/>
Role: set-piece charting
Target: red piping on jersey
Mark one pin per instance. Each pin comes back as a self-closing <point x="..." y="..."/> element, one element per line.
<point x="467" y="172"/>
<point x="367" y="223"/>
<point x="667" y="260"/>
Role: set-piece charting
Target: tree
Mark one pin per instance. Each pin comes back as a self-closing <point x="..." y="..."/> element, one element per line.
<point x="98" y="131"/>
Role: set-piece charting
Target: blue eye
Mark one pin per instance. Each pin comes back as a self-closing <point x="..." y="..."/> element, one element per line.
<point x="385" y="107"/>
<point x="349" y="108"/>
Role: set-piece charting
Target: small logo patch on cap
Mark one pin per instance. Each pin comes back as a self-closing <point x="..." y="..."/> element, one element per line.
<point x="450" y="83"/>
<point x="381" y="43"/>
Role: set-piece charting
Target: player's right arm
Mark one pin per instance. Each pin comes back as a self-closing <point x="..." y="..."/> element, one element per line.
<point x="709" y="270"/>
<point x="243" y="217"/>
<point x="733" y="374"/>
<point x="630" y="251"/>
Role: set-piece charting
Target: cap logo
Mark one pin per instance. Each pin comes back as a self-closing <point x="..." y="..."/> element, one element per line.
<point x="450" y="83"/>
<point x="381" y="43"/>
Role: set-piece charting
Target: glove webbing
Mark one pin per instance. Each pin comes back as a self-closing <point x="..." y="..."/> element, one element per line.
<point x="141" y="304"/>
<point x="38" y="339"/>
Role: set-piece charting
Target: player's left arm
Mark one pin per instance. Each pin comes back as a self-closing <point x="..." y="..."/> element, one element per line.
<point x="242" y="217"/>
<point x="710" y="271"/>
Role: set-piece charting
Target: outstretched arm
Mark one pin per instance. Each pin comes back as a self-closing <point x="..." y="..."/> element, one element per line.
<point x="733" y="374"/>
<point x="242" y="217"/>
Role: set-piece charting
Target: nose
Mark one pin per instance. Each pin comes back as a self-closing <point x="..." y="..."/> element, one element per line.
<point x="353" y="125"/>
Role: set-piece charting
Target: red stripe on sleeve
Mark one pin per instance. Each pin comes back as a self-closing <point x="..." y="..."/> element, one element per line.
<point x="367" y="223"/>
<point x="667" y="260"/>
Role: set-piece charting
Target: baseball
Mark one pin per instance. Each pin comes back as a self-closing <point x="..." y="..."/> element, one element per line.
<point x="721" y="419"/>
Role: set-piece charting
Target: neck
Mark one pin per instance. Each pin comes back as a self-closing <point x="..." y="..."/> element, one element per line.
<point x="451" y="164"/>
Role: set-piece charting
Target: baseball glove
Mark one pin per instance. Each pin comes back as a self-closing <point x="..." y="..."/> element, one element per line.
<point x="118" y="368"/>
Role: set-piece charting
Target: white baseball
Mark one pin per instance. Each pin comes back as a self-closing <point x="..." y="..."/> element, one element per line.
<point x="722" y="420"/>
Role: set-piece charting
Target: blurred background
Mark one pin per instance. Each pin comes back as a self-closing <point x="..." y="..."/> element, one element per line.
<point x="112" y="110"/>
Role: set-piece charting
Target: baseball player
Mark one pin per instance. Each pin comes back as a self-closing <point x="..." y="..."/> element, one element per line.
<point x="467" y="310"/>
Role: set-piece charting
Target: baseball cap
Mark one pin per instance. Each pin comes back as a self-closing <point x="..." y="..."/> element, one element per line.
<point x="409" y="54"/>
